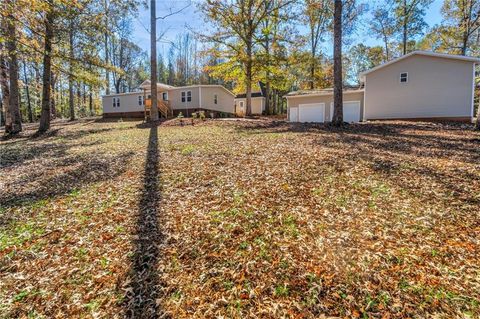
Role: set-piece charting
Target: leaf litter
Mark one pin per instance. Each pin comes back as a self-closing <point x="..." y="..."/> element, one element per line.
<point x="256" y="219"/>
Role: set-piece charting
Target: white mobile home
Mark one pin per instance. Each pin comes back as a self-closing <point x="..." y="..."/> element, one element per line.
<point x="186" y="99"/>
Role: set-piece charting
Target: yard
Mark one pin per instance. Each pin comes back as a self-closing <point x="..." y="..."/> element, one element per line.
<point x="256" y="219"/>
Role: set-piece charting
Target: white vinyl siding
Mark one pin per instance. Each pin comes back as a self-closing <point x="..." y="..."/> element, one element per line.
<point x="436" y="88"/>
<point x="293" y="114"/>
<point x="119" y="103"/>
<point x="257" y="106"/>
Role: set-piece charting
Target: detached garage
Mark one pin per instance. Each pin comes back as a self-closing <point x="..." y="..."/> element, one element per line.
<point x="316" y="106"/>
<point x="418" y="86"/>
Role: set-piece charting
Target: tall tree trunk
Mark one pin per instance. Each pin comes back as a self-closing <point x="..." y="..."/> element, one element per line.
<point x="267" y="73"/>
<point x="107" y="60"/>
<point x="79" y="98"/>
<point x="60" y="95"/>
<point x="312" y="74"/>
<point x="90" y="101"/>
<point x="53" y="109"/>
<point x="2" y="114"/>
<point x="4" y="82"/>
<point x="465" y="42"/>
<point x="268" y="110"/>
<point x="337" y="66"/>
<point x="275" y="102"/>
<point x="13" y="72"/>
<point x="47" y="71"/>
<point x="477" y="123"/>
<point x="313" y="50"/>
<point x="71" y="99"/>
<point x="117" y="86"/>
<point x="84" y="97"/>
<point x="387" y="51"/>
<point x="153" y="61"/>
<point x="248" y="79"/>
<point x="27" y="89"/>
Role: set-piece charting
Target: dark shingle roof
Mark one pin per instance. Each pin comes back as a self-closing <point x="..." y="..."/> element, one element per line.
<point x="325" y="91"/>
<point x="244" y="95"/>
<point x="254" y="94"/>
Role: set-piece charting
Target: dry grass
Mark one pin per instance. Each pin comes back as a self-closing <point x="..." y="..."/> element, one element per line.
<point x="256" y="219"/>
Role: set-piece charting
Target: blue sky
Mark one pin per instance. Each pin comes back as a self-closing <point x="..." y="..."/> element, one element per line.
<point x="190" y="18"/>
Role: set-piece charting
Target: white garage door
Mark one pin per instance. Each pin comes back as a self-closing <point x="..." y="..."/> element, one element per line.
<point x="314" y="112"/>
<point x="351" y="111"/>
<point x="293" y="116"/>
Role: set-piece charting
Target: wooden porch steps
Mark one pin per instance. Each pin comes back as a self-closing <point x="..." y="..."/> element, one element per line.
<point x="164" y="109"/>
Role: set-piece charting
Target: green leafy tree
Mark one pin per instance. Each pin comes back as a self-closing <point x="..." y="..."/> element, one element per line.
<point x="410" y="20"/>
<point x="361" y="58"/>
<point x="318" y="17"/>
<point x="236" y="25"/>
<point x="461" y="22"/>
<point x="384" y="27"/>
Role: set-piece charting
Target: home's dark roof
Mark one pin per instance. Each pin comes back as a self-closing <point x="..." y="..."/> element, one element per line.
<point x="347" y="88"/>
<point x="244" y="95"/>
<point x="254" y="94"/>
<point x="262" y="88"/>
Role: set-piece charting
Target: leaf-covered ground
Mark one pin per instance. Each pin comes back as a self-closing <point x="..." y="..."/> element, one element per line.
<point x="241" y="219"/>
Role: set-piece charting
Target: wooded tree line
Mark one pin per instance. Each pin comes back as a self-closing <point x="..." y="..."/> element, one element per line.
<point x="289" y="44"/>
<point x="58" y="56"/>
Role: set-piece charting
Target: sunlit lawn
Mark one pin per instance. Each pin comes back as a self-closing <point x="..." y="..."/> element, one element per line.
<point x="241" y="219"/>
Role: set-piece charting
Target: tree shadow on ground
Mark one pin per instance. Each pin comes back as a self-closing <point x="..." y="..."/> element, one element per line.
<point x="144" y="288"/>
<point x="48" y="166"/>
<point x="62" y="176"/>
<point x="417" y="138"/>
<point x="49" y="145"/>
<point x="396" y="150"/>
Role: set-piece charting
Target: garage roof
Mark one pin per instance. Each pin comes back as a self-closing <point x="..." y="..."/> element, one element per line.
<point x="326" y="91"/>
<point x="424" y="53"/>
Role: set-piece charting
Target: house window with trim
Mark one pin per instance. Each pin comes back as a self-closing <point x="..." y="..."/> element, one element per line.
<point x="183" y="96"/>
<point x="118" y="102"/>
<point x="165" y="96"/>
<point x="215" y="99"/>
<point x="404" y="77"/>
<point x="140" y="100"/>
<point x="114" y="102"/>
<point x="189" y="96"/>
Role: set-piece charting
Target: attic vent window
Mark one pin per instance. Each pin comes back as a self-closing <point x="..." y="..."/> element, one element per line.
<point x="404" y="77"/>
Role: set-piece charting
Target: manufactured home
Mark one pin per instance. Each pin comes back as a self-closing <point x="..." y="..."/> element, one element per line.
<point x="213" y="99"/>
<point x="417" y="86"/>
